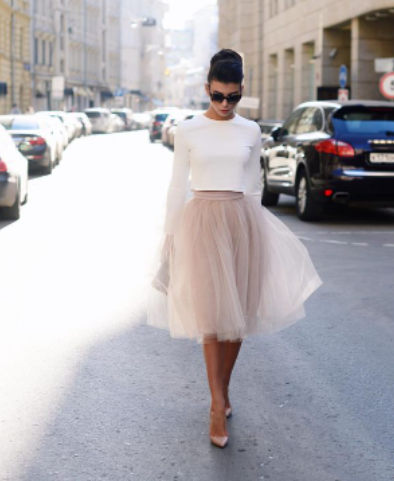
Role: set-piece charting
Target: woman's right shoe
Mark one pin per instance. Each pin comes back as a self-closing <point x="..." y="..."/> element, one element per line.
<point x="219" y="441"/>
<point x="228" y="412"/>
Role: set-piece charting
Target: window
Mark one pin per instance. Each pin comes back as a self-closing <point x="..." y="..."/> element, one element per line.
<point x="273" y="8"/>
<point x="43" y="59"/>
<point x="364" y="121"/>
<point x="289" y="3"/>
<point x="21" y="38"/>
<point x="36" y="51"/>
<point x="50" y="53"/>
<point x="310" y="121"/>
<point x="290" y="125"/>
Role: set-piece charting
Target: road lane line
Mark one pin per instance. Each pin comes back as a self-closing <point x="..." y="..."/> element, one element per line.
<point x="359" y="244"/>
<point x="305" y="238"/>
<point x="334" y="241"/>
<point x="388" y="245"/>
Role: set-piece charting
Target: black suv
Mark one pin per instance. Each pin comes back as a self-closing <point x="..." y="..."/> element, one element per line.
<point x="331" y="152"/>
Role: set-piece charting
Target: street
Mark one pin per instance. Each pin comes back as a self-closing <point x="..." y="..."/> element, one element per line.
<point x="88" y="392"/>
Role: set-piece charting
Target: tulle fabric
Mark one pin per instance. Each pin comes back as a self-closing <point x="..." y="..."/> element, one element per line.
<point x="232" y="269"/>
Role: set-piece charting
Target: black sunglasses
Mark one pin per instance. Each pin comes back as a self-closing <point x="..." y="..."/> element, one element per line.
<point x="219" y="97"/>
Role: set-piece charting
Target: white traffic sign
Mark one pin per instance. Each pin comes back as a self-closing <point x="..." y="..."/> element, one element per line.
<point x="58" y="87"/>
<point x="386" y="85"/>
<point x="343" y="95"/>
<point x="384" y="65"/>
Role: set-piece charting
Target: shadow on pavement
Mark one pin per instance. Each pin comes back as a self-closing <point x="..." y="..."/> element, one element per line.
<point x="340" y="214"/>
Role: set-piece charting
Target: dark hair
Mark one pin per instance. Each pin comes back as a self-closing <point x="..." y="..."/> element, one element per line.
<point x="226" y="67"/>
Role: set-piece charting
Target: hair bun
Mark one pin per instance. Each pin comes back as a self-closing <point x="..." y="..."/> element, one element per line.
<point x="226" y="54"/>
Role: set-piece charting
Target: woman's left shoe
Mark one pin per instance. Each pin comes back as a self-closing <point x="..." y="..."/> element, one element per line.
<point x="219" y="441"/>
<point x="229" y="412"/>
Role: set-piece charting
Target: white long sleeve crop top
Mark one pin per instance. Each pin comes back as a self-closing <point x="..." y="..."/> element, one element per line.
<point x="217" y="155"/>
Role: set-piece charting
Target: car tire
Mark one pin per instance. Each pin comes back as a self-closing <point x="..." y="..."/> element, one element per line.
<point x="13" y="212"/>
<point x="307" y="208"/>
<point x="49" y="168"/>
<point x="267" y="198"/>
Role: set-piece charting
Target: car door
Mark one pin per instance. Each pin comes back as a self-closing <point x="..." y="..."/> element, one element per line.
<point x="309" y="130"/>
<point x="280" y="154"/>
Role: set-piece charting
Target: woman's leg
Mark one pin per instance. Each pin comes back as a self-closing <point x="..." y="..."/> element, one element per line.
<point x="231" y="351"/>
<point x="214" y="360"/>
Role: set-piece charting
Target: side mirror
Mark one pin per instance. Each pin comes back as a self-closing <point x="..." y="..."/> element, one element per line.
<point x="275" y="133"/>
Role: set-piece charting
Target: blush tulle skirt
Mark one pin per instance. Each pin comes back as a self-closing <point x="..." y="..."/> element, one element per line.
<point x="232" y="269"/>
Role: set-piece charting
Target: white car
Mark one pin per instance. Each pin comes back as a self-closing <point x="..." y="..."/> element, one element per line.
<point x="13" y="177"/>
<point x="68" y="123"/>
<point x="58" y="131"/>
<point x="141" y="120"/>
<point x="100" y="119"/>
<point x="117" y="124"/>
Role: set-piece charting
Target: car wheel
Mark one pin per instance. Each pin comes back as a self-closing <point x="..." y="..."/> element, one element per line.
<point x="13" y="212"/>
<point x="49" y="168"/>
<point x="267" y="198"/>
<point x="307" y="209"/>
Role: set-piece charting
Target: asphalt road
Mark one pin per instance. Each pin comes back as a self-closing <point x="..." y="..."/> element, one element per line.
<point x="88" y="392"/>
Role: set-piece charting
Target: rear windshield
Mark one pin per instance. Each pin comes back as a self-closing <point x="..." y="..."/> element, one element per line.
<point x="160" y="117"/>
<point x="93" y="115"/>
<point x="19" y="123"/>
<point x="120" y="114"/>
<point x="364" y="120"/>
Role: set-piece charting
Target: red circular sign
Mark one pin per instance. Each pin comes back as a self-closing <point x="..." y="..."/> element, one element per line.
<point x="386" y="85"/>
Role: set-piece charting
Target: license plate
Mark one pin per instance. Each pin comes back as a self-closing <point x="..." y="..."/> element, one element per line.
<point x="381" y="158"/>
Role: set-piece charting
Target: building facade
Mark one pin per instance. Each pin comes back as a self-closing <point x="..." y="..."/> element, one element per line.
<point x="142" y="54"/>
<point x="188" y="54"/>
<point x="303" y="43"/>
<point x="76" y="41"/>
<point x="15" y="64"/>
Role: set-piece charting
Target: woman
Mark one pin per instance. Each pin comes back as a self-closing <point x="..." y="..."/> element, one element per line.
<point x="229" y="268"/>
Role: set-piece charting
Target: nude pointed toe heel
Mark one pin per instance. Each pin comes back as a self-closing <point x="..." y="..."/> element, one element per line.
<point x="219" y="441"/>
<point x="229" y="412"/>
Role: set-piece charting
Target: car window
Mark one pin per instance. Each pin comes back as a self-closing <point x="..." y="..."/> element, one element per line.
<point x="310" y="121"/>
<point x="93" y="115"/>
<point x="290" y="125"/>
<point x="20" y="123"/>
<point x="160" y="117"/>
<point x="363" y="120"/>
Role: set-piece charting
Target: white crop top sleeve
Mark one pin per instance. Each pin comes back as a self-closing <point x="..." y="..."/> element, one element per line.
<point x="178" y="187"/>
<point x="252" y="171"/>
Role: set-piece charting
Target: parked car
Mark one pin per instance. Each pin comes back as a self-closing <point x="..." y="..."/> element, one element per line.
<point x="61" y="127"/>
<point x="157" y="120"/>
<point x="100" y="119"/>
<point x="58" y="131"/>
<point x="127" y="116"/>
<point x="169" y="122"/>
<point x="13" y="177"/>
<point x="86" y="123"/>
<point x="69" y="125"/>
<point x="185" y="115"/>
<point x="33" y="138"/>
<point x="331" y="152"/>
<point x="78" y="125"/>
<point x="266" y="127"/>
<point x="117" y="124"/>
<point x="141" y="120"/>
